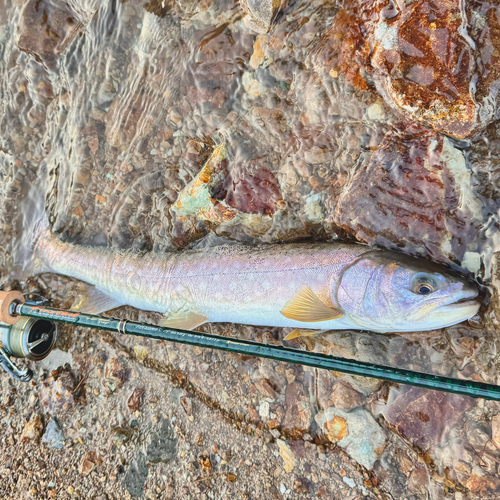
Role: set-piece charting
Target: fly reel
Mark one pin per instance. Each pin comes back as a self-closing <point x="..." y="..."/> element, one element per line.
<point x="23" y="337"/>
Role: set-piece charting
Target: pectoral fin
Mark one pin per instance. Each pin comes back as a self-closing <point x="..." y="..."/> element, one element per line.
<point x="307" y="307"/>
<point x="302" y="332"/>
<point x="94" y="301"/>
<point x="184" y="320"/>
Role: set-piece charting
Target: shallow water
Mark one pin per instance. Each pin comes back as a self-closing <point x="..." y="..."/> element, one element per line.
<point x="332" y="129"/>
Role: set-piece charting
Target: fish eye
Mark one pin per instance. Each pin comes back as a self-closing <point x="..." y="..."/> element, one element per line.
<point x="423" y="284"/>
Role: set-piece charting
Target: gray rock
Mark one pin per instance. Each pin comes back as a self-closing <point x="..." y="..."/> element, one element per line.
<point x="163" y="444"/>
<point x="54" y="435"/>
<point x="136" y="476"/>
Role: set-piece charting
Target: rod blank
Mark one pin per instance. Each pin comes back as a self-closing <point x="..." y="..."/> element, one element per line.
<point x="278" y="353"/>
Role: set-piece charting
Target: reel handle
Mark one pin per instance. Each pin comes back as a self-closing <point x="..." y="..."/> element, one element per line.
<point x="6" y="301"/>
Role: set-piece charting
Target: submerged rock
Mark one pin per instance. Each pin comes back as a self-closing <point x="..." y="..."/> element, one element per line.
<point x="45" y="30"/>
<point x="243" y="193"/>
<point x="262" y="13"/>
<point x="414" y="192"/>
<point x="424" y="417"/>
<point x="356" y="431"/>
<point x="434" y="62"/>
<point x="438" y="62"/>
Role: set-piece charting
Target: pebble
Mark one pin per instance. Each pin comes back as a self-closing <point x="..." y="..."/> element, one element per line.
<point x="287" y="455"/>
<point x="264" y="409"/>
<point x="350" y="482"/>
<point x="54" y="435"/>
<point x="135" y="399"/>
<point x="33" y="429"/>
<point x="495" y="430"/>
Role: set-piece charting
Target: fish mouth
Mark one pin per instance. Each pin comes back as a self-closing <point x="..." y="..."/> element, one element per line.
<point x="454" y="313"/>
<point x="464" y="305"/>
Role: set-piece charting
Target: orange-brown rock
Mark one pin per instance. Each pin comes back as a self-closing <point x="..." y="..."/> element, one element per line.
<point x="437" y="62"/>
<point x="336" y="428"/>
<point x="33" y="430"/>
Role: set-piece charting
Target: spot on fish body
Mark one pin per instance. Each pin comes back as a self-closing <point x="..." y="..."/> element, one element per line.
<point x="134" y="281"/>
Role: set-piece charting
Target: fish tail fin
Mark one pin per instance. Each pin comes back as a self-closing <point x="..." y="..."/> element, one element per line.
<point x="33" y="228"/>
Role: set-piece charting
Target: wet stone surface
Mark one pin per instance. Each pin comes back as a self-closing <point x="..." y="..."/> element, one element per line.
<point x="215" y="122"/>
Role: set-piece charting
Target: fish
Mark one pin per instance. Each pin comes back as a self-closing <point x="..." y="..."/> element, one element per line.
<point x="310" y="287"/>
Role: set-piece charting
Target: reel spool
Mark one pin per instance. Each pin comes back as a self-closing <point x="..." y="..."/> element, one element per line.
<point x="30" y="338"/>
<point x="23" y="337"/>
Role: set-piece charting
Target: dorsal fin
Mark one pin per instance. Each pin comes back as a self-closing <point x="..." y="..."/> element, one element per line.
<point x="307" y="307"/>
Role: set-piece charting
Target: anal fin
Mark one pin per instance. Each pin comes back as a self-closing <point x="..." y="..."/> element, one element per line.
<point x="184" y="320"/>
<point x="94" y="301"/>
<point x="307" y="307"/>
<point x="302" y="332"/>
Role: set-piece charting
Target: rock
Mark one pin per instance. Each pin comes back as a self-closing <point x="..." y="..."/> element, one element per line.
<point x="417" y="183"/>
<point x="46" y="28"/>
<point x="136" y="476"/>
<point x="244" y="193"/>
<point x="344" y="52"/>
<point x="438" y="62"/>
<point x="187" y="404"/>
<point x="302" y="485"/>
<point x="495" y="430"/>
<point x="33" y="430"/>
<point x="9" y="398"/>
<point x="297" y="411"/>
<point x="205" y="464"/>
<point x="419" y="480"/>
<point x="482" y="484"/>
<point x="56" y="393"/>
<point x="54" y="435"/>
<point x="116" y="371"/>
<point x="141" y="352"/>
<point x="162" y="446"/>
<point x="134" y="401"/>
<point x="425" y="417"/>
<point x="262" y="13"/>
<point x="120" y="435"/>
<point x="345" y="397"/>
<point x="258" y="56"/>
<point x="336" y="428"/>
<point x="286" y="454"/>
<point x="250" y="188"/>
<point x="264" y="409"/>
<point x="89" y="461"/>
<point x="355" y="431"/>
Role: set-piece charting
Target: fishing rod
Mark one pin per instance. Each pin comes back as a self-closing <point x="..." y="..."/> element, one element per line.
<point x="29" y="330"/>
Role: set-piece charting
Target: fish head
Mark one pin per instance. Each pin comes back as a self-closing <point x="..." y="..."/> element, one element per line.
<point x="391" y="292"/>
